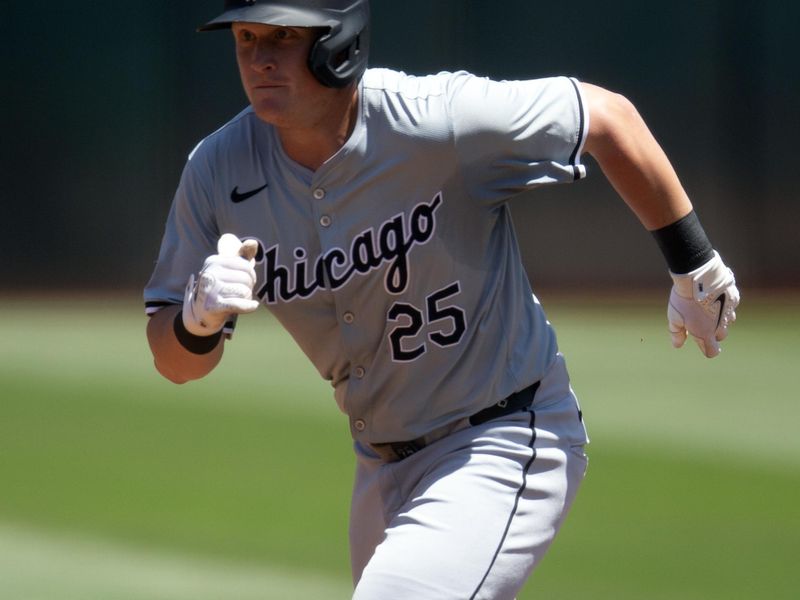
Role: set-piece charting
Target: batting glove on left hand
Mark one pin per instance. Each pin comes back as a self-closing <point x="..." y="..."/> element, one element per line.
<point x="223" y="287"/>
<point x="703" y="303"/>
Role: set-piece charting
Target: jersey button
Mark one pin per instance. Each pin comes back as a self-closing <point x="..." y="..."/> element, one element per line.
<point x="319" y="193"/>
<point x="359" y="372"/>
<point x="325" y="221"/>
<point x="360" y="424"/>
<point x="348" y="317"/>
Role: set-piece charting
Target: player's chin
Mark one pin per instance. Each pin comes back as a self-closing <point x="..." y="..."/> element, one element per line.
<point x="269" y="109"/>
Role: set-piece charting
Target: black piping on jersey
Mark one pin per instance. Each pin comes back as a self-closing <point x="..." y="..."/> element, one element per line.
<point x="154" y="306"/>
<point x="516" y="504"/>
<point x="574" y="158"/>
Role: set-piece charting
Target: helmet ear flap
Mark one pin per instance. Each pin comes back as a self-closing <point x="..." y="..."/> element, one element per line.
<point x="339" y="56"/>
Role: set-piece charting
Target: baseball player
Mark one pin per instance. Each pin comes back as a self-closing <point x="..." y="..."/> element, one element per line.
<point x="368" y="210"/>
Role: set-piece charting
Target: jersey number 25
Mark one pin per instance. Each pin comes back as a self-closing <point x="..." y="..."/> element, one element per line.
<point x="452" y="318"/>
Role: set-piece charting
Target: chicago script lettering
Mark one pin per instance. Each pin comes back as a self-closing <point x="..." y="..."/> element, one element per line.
<point x="391" y="243"/>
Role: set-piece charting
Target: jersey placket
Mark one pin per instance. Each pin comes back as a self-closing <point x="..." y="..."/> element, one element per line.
<point x="332" y="236"/>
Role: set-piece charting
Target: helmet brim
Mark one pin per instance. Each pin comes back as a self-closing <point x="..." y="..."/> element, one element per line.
<point x="271" y="14"/>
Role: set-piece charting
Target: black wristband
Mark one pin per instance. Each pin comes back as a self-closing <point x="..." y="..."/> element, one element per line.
<point x="196" y="344"/>
<point x="684" y="244"/>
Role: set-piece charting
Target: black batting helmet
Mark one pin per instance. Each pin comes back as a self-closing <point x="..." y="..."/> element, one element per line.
<point x="338" y="57"/>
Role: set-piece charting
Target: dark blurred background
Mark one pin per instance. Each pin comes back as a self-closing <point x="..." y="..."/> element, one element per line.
<point x="102" y="102"/>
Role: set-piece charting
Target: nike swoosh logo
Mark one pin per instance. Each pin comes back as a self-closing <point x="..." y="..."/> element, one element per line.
<point x="237" y="197"/>
<point x="721" y="301"/>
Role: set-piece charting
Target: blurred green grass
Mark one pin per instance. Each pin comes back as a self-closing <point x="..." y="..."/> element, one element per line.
<point x="692" y="492"/>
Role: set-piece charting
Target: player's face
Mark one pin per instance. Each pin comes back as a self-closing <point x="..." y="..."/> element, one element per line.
<point x="273" y="67"/>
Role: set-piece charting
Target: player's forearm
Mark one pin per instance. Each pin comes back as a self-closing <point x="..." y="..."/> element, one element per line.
<point x="632" y="160"/>
<point x="171" y="359"/>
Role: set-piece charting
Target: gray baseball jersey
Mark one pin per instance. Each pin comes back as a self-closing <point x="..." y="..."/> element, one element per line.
<point x="395" y="265"/>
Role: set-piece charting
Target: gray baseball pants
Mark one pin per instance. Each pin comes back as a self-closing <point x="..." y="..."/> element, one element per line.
<point x="472" y="514"/>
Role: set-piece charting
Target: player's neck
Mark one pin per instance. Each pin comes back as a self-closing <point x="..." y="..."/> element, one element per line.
<point x="310" y="145"/>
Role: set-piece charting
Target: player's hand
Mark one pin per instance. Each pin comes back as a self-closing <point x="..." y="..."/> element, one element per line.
<point x="223" y="287"/>
<point x="703" y="304"/>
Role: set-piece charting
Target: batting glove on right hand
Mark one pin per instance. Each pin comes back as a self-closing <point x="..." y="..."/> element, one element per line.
<point x="703" y="303"/>
<point x="223" y="287"/>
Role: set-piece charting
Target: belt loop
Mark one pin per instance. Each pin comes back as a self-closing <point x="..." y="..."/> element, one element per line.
<point x="516" y="401"/>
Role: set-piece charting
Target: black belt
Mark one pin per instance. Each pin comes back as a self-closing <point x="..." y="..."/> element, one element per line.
<point x="394" y="451"/>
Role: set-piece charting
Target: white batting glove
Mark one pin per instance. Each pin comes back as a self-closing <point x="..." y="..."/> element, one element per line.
<point x="223" y="287"/>
<point x="703" y="303"/>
